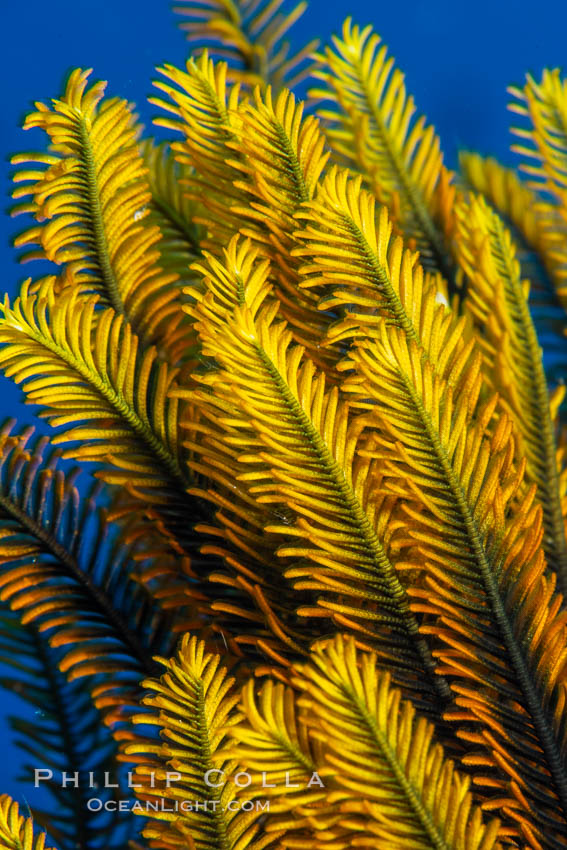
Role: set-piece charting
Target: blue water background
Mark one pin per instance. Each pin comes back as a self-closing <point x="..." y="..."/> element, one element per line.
<point x="458" y="58"/>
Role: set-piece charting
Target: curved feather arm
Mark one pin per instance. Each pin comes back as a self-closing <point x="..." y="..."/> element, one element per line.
<point x="284" y="762"/>
<point x="65" y="735"/>
<point x="16" y="832"/>
<point x="90" y="201"/>
<point x="172" y="210"/>
<point x="193" y="704"/>
<point x="65" y="573"/>
<point x="370" y="126"/>
<point x="249" y="35"/>
<point x="532" y="219"/>
<point x="299" y="449"/>
<point x="199" y="105"/>
<point x="393" y="784"/>
<point x="281" y="156"/>
<point x="267" y="737"/>
<point x="255" y="164"/>
<point x="257" y="609"/>
<point x="261" y="603"/>
<point x="473" y="530"/>
<point x="352" y="259"/>
<point x="286" y="154"/>
<point x="544" y="104"/>
<point x="497" y="299"/>
<point x="541" y="250"/>
<point x="108" y="397"/>
<point x="85" y="367"/>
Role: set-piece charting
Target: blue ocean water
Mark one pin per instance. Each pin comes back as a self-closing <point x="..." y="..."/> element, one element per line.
<point x="458" y="59"/>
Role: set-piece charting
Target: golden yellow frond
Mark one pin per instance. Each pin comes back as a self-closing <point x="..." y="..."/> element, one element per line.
<point x="16" y="832"/>
<point x="259" y="594"/>
<point x="544" y="104"/>
<point x="270" y="740"/>
<point x="370" y="124"/>
<point x="497" y="299"/>
<point x="255" y="163"/>
<point x="535" y="221"/>
<point x="249" y="35"/>
<point x="206" y="112"/>
<point x="90" y="196"/>
<point x="285" y="155"/>
<point x="300" y="449"/>
<point x="172" y="210"/>
<point x="281" y="156"/>
<point x="284" y="763"/>
<point x="351" y="257"/>
<point x="87" y="369"/>
<point x="193" y="704"/>
<point x="388" y="777"/>
<point x="474" y="531"/>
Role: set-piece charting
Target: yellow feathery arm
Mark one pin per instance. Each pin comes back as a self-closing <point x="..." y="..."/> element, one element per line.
<point x="352" y="260"/>
<point x="16" y="832"/>
<point x="532" y="218"/>
<point x="255" y="164"/>
<point x="535" y="221"/>
<point x="392" y="784"/>
<point x="260" y="611"/>
<point x="299" y="448"/>
<point x="268" y="739"/>
<point x="544" y="105"/>
<point x="179" y="246"/>
<point x="88" y="370"/>
<point x="90" y="203"/>
<point x="275" y="747"/>
<point x="497" y="298"/>
<point x="258" y="614"/>
<point x="172" y="210"/>
<point x="248" y="34"/>
<point x="474" y="532"/>
<point x="193" y="705"/>
<point x="108" y="400"/>
<point x="371" y="127"/>
<point x="281" y="156"/>
<point x="199" y="105"/>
